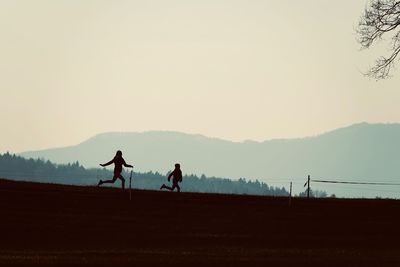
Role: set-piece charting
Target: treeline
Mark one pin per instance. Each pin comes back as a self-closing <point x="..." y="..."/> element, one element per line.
<point x="38" y="170"/>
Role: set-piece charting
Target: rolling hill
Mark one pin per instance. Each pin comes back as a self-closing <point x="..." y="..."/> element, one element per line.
<point x="361" y="152"/>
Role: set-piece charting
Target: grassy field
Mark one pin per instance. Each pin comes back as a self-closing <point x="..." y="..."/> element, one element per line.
<point x="56" y="225"/>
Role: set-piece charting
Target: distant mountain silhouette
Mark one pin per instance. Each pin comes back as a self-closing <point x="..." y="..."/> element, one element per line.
<point x="361" y="152"/>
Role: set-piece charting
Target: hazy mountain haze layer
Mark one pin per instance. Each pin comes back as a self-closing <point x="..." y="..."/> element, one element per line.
<point x="361" y="152"/>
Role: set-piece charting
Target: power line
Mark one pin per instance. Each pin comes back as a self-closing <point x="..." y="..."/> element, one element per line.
<point x="348" y="182"/>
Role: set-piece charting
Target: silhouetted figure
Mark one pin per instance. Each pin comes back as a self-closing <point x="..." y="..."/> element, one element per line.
<point x="176" y="178"/>
<point x="118" y="161"/>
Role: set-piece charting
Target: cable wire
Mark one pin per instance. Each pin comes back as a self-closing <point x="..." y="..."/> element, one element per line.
<point x="348" y="182"/>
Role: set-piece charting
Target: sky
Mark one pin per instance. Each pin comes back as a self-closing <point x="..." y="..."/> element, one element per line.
<point x="235" y="70"/>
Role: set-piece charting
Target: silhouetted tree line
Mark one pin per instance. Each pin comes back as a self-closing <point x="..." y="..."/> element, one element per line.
<point x="39" y="170"/>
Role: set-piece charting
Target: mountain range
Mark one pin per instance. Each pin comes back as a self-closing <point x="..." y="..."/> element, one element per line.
<point x="361" y="152"/>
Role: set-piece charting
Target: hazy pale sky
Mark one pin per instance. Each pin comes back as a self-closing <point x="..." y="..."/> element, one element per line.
<point x="230" y="69"/>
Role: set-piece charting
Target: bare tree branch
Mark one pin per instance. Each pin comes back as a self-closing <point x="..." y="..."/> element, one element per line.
<point x="381" y="18"/>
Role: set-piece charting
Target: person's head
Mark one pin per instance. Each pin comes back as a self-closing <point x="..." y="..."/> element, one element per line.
<point x="177" y="166"/>
<point x="119" y="153"/>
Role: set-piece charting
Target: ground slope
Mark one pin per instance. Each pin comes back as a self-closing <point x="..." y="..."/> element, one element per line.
<point x="44" y="224"/>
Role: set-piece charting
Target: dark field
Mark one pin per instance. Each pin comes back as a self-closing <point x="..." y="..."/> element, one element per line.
<point x="43" y="224"/>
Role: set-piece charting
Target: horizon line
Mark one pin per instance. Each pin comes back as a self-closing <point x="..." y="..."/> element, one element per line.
<point x="211" y="137"/>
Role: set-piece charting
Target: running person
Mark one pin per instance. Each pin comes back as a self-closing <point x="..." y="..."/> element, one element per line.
<point x="118" y="161"/>
<point x="176" y="178"/>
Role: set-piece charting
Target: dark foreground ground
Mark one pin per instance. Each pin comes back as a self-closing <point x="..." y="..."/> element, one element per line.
<point x="43" y="225"/>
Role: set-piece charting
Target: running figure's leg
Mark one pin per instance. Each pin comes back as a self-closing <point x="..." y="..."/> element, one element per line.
<point x="108" y="181"/>
<point x="167" y="187"/>
<point x="122" y="180"/>
<point x="176" y="185"/>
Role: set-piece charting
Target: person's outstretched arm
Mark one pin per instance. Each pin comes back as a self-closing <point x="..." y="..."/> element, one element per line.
<point x="108" y="163"/>
<point x="127" y="165"/>
<point x="170" y="175"/>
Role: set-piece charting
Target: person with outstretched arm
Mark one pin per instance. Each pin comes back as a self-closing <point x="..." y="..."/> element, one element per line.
<point x="118" y="161"/>
<point x="176" y="179"/>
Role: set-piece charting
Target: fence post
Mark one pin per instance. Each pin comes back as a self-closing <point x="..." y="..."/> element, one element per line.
<point x="130" y="186"/>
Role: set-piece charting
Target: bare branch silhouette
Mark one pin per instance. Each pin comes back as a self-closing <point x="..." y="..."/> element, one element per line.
<point x="381" y="18"/>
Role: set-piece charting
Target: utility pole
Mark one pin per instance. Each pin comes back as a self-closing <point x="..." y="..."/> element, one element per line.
<point x="308" y="187"/>
<point x="290" y="195"/>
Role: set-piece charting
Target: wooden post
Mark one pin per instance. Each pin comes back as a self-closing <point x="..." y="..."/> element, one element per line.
<point x="290" y="195"/>
<point x="130" y="186"/>
<point x="308" y="187"/>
